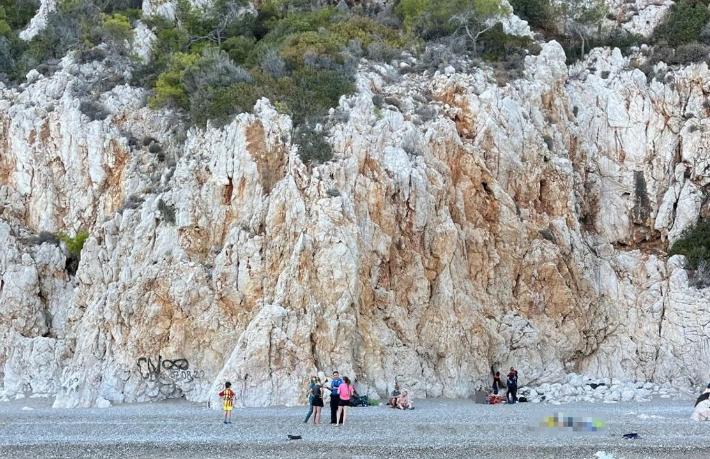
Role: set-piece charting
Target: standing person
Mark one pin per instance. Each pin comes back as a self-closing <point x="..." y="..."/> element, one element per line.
<point x="317" y="404"/>
<point x="345" y="391"/>
<point x="512" y="383"/>
<point x="228" y="396"/>
<point x="313" y="382"/>
<point x="334" y="397"/>
<point x="497" y="383"/>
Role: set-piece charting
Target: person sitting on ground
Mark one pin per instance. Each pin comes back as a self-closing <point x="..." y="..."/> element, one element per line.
<point x="393" y="397"/>
<point x="404" y="402"/>
<point x="702" y="407"/>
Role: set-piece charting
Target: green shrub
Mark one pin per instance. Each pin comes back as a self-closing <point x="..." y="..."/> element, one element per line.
<point x="299" y="47"/>
<point x="427" y="18"/>
<point x="367" y="31"/>
<point x="167" y="211"/>
<point x="169" y="88"/>
<point x="5" y="28"/>
<point x="116" y="29"/>
<point x="17" y="13"/>
<point x="93" y="110"/>
<point x="214" y="68"/>
<point x="7" y="58"/>
<point x="691" y="53"/>
<point x="540" y="14"/>
<point x="684" y="22"/>
<point x="615" y="39"/>
<point x="74" y="244"/>
<point x="682" y="55"/>
<point x="431" y="19"/>
<point x="112" y="6"/>
<point x="239" y="47"/>
<point x="14" y="16"/>
<point x="314" y="92"/>
<point x="75" y="25"/>
<point x="288" y="53"/>
<point x="496" y="45"/>
<point x="694" y="244"/>
<point x="313" y="146"/>
<point x="45" y="237"/>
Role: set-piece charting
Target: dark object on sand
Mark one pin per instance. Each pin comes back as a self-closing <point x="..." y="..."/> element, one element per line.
<point x="631" y="436"/>
<point x="360" y="400"/>
<point x="294" y="437"/>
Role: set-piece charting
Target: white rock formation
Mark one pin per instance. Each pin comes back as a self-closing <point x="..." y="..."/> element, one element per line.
<point x="579" y="388"/>
<point x="521" y="225"/>
<point x="639" y="16"/>
<point x="39" y="21"/>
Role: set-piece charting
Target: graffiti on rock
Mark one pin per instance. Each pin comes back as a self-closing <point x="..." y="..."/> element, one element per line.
<point x="168" y="373"/>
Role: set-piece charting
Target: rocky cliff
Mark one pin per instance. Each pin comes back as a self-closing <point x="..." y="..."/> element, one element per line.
<point x="462" y="225"/>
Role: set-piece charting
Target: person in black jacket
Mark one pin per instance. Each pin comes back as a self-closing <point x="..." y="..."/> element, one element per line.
<point x="334" y="397"/>
<point x="512" y="383"/>
<point x="497" y="383"/>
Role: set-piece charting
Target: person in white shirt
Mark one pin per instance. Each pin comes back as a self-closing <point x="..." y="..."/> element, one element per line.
<point x="702" y="407"/>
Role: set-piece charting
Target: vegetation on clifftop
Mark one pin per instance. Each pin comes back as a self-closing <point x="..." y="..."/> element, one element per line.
<point x="213" y="63"/>
<point x="75" y="25"/>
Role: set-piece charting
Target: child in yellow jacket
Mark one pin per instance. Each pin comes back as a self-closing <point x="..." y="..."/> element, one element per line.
<point x="228" y="396"/>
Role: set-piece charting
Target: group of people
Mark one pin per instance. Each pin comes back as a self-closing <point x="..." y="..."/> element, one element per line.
<point x="400" y="399"/>
<point x="341" y="392"/>
<point x="511" y="384"/>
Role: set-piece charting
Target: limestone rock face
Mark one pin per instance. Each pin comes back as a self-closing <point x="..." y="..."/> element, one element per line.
<point x="522" y="225"/>
<point x="639" y="16"/>
<point x="39" y="21"/>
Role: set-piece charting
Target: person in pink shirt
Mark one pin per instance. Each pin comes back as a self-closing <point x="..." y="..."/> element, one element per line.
<point x="345" y="391"/>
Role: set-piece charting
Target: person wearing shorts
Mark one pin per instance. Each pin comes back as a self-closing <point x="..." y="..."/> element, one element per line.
<point x="345" y="392"/>
<point x="227" y="395"/>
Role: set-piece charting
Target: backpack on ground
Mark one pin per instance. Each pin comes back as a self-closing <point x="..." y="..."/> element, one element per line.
<point x="361" y="400"/>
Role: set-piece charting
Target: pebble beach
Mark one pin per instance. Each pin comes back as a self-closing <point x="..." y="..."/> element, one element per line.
<point x="436" y="428"/>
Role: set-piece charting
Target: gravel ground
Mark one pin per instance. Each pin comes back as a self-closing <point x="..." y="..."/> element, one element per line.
<point x="441" y="428"/>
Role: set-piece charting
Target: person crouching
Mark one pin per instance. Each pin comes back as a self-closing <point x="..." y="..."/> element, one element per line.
<point x="392" y="401"/>
<point x="702" y="407"/>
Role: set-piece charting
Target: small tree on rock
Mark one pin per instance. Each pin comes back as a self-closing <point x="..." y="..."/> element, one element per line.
<point x="478" y="17"/>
